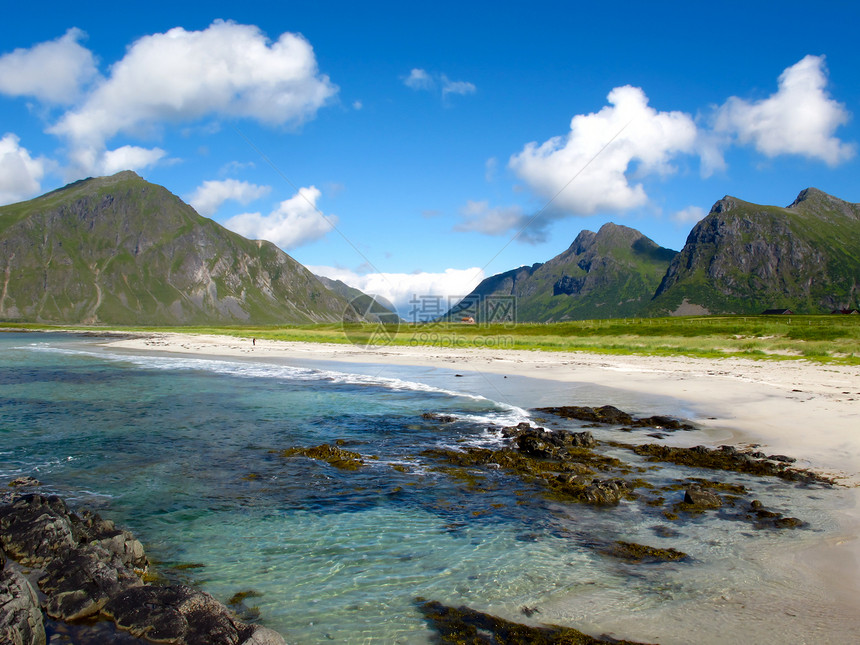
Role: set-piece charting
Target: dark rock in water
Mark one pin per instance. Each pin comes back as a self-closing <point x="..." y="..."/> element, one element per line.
<point x="782" y="458"/>
<point x="36" y="529"/>
<point x="25" y="482"/>
<point x="764" y="518"/>
<point x="606" y="492"/>
<point x="441" y="418"/>
<point x="181" y="615"/>
<point x="642" y="553"/>
<point x="702" y="499"/>
<point x="21" y="621"/>
<point x="611" y="415"/>
<point x="337" y="457"/>
<point x="458" y="625"/>
<point x="79" y="584"/>
<point x="2" y="558"/>
<point x="605" y="414"/>
<point x="725" y="458"/>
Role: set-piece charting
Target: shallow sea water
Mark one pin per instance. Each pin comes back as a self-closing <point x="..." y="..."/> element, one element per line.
<point x="184" y="452"/>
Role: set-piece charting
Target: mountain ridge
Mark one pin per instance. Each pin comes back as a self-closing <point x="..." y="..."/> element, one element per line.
<point x="120" y="250"/>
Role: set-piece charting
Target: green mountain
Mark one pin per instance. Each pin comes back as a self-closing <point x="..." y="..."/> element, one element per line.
<point x="747" y="258"/>
<point x="120" y="250"/>
<point x="609" y="274"/>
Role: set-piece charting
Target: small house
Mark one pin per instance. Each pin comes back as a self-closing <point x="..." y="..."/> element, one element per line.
<point x="777" y="312"/>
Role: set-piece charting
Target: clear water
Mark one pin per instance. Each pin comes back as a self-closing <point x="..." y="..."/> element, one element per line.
<point x="184" y="452"/>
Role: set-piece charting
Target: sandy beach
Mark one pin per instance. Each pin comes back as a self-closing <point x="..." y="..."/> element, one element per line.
<point x="806" y="410"/>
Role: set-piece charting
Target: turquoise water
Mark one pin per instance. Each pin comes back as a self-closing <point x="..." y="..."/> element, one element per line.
<point x="184" y="452"/>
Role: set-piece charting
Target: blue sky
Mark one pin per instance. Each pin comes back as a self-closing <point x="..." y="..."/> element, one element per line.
<point x="413" y="148"/>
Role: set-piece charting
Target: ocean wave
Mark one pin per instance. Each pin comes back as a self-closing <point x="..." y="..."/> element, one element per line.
<point x="491" y="412"/>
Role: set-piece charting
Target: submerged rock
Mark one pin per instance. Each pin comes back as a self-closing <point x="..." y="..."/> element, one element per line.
<point x="21" y="621"/>
<point x="702" y="499"/>
<point x="641" y="553"/>
<point x="457" y="625"/>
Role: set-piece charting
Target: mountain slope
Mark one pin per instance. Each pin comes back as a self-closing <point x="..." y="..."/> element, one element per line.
<point x="746" y="258"/>
<point x="120" y="250"/>
<point x="609" y="274"/>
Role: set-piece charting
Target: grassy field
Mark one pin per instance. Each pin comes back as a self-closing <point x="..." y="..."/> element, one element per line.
<point x="824" y="338"/>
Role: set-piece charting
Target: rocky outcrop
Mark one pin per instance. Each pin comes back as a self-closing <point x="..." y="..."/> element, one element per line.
<point x="21" y="621"/>
<point x="90" y="569"/>
<point x="610" y="415"/>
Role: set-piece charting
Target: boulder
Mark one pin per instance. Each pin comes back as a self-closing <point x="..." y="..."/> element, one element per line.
<point x="21" y="621"/>
<point x="36" y="529"/>
<point x="80" y="583"/>
<point x="702" y="498"/>
<point x="180" y="615"/>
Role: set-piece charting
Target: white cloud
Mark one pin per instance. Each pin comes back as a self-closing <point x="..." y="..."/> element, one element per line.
<point x="226" y="70"/>
<point x="689" y="215"/>
<point x="210" y="195"/>
<point x="20" y="173"/>
<point x="415" y="295"/>
<point x="419" y="79"/>
<point x="478" y="216"/>
<point x="583" y="173"/>
<point x="53" y="71"/>
<point x="294" y="222"/>
<point x="800" y="118"/>
<point x="129" y="158"/>
<point x="456" y="87"/>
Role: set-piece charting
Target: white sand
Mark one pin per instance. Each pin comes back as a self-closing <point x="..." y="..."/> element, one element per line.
<point x="806" y="410"/>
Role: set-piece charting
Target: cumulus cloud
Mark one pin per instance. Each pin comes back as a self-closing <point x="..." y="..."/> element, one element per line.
<point x="20" y="173"/>
<point x="417" y="296"/>
<point x="800" y="118"/>
<point x="589" y="170"/>
<point x="53" y="71"/>
<point x="210" y="195"/>
<point x="226" y="70"/>
<point x="294" y="222"/>
<point x="689" y="215"/>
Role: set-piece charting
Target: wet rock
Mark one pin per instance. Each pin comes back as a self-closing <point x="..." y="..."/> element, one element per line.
<point x="21" y="621"/>
<point x="456" y="625"/>
<point x="2" y="559"/>
<point x="605" y="493"/>
<point x="634" y="552"/>
<point x="36" y="529"/>
<point x="782" y="458"/>
<point x="25" y="482"/>
<point x="79" y="584"/>
<point x="441" y="418"/>
<point x="702" y="499"/>
<point x="725" y="458"/>
<point x="764" y="518"/>
<point x="611" y="415"/>
<point x="605" y="414"/>
<point x="180" y="615"/>
<point x="333" y="455"/>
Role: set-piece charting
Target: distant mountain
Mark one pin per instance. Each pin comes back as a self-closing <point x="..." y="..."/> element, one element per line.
<point x="747" y="258"/>
<point x="609" y="274"/>
<point x="120" y="250"/>
<point x="371" y="307"/>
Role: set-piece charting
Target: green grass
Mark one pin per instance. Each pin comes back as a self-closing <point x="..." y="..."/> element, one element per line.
<point x="822" y="339"/>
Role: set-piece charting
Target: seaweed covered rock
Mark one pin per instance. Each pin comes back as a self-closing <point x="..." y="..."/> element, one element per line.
<point x="333" y="455"/>
<point x="21" y="621"/>
<point x="610" y="415"/>
<point x="726" y="458"/>
<point x="180" y="615"/>
<point x="702" y="499"/>
<point x="457" y="625"/>
<point x="633" y="552"/>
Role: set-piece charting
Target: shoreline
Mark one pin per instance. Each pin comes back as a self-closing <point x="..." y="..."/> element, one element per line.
<point x="800" y="409"/>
